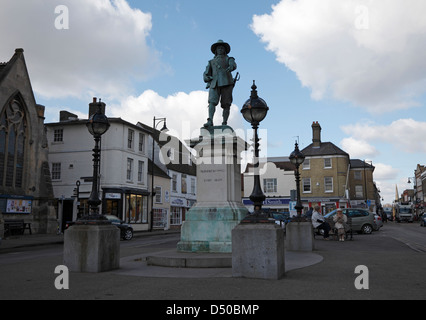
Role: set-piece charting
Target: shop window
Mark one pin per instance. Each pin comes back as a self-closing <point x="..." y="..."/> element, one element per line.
<point x="135" y="209"/>
<point x="175" y="216"/>
<point x="159" y="218"/>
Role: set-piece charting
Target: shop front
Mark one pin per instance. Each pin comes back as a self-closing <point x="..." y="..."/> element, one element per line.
<point x="270" y="204"/>
<point x="178" y="208"/>
<point x="129" y="205"/>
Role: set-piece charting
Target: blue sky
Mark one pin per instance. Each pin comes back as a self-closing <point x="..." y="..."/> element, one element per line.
<point x="355" y="66"/>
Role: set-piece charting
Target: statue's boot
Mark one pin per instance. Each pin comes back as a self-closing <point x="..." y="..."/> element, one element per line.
<point x="209" y="123"/>
<point x="212" y="109"/>
<point x="225" y="116"/>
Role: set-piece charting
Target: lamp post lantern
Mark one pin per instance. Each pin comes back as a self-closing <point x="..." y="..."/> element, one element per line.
<point x="97" y="125"/>
<point x="297" y="158"/>
<point x="156" y="122"/>
<point x="254" y="111"/>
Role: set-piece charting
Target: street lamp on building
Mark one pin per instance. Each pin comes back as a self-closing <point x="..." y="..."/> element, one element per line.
<point x="254" y="111"/>
<point x="97" y="125"/>
<point x="156" y="122"/>
<point x="297" y="158"/>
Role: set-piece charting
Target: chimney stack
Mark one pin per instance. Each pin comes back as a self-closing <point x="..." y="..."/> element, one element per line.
<point x="93" y="107"/>
<point x="316" y="134"/>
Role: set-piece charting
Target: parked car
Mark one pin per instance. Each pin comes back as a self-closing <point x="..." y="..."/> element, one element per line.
<point x="423" y="220"/>
<point x="281" y="218"/>
<point x="378" y="222"/>
<point x="362" y="220"/>
<point x="126" y="231"/>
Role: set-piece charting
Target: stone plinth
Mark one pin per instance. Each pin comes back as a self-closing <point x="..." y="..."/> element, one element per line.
<point x="208" y="224"/>
<point x="92" y="248"/>
<point x="299" y="236"/>
<point x="258" y="251"/>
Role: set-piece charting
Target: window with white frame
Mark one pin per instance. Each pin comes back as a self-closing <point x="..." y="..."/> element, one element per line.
<point x="270" y="185"/>
<point x="175" y="216"/>
<point x="183" y="183"/>
<point x="327" y="163"/>
<point x="141" y="142"/>
<point x="174" y="182"/>
<point x="306" y="185"/>
<point x="130" y="138"/>
<point x="158" y="194"/>
<point x="306" y="164"/>
<point x="193" y="186"/>
<point x="359" y="192"/>
<point x="56" y="171"/>
<point x="129" y="174"/>
<point x="141" y="167"/>
<point x="357" y="175"/>
<point x="58" y="135"/>
<point x="328" y="184"/>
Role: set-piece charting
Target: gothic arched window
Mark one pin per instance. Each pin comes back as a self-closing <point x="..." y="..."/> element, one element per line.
<point x="13" y="126"/>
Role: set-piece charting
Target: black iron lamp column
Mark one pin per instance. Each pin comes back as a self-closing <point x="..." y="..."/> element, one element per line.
<point x="254" y="111"/>
<point x="156" y="122"/>
<point x="97" y="125"/>
<point x="297" y="158"/>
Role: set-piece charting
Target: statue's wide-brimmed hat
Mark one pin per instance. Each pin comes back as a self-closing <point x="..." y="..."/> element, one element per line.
<point x="221" y="43"/>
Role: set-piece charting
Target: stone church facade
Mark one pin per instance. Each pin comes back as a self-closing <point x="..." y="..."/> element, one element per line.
<point x="25" y="184"/>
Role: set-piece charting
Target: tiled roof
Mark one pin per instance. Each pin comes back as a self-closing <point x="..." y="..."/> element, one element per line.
<point x="326" y="149"/>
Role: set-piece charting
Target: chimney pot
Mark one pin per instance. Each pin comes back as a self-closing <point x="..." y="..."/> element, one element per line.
<point x="316" y="134"/>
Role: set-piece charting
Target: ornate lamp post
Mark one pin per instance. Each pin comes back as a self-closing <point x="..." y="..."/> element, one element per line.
<point x="97" y="125"/>
<point x="254" y="111"/>
<point x="156" y="122"/>
<point x="297" y="158"/>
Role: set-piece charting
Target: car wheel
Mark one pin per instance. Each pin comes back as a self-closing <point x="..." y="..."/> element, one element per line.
<point x="128" y="235"/>
<point x="367" y="229"/>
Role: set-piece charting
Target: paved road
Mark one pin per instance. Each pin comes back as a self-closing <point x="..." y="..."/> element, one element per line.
<point x="395" y="258"/>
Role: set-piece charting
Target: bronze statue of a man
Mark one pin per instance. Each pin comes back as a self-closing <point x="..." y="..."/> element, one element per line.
<point x="219" y="80"/>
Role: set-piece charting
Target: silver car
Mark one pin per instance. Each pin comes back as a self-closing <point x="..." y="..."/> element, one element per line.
<point x="378" y="222"/>
<point x="362" y="220"/>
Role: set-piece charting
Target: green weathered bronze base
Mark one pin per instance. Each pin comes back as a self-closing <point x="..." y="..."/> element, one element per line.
<point x="209" y="229"/>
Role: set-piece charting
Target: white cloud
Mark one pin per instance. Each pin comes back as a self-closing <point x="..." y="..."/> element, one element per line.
<point x="102" y="51"/>
<point x="358" y="148"/>
<point x="384" y="172"/>
<point x="365" y="52"/>
<point x="185" y="113"/>
<point x="403" y="134"/>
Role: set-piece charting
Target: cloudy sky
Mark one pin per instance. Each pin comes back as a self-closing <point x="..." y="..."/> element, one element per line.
<point x="355" y="66"/>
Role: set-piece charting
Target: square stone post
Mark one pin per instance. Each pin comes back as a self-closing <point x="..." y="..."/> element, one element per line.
<point x="92" y="248"/>
<point x="258" y="251"/>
